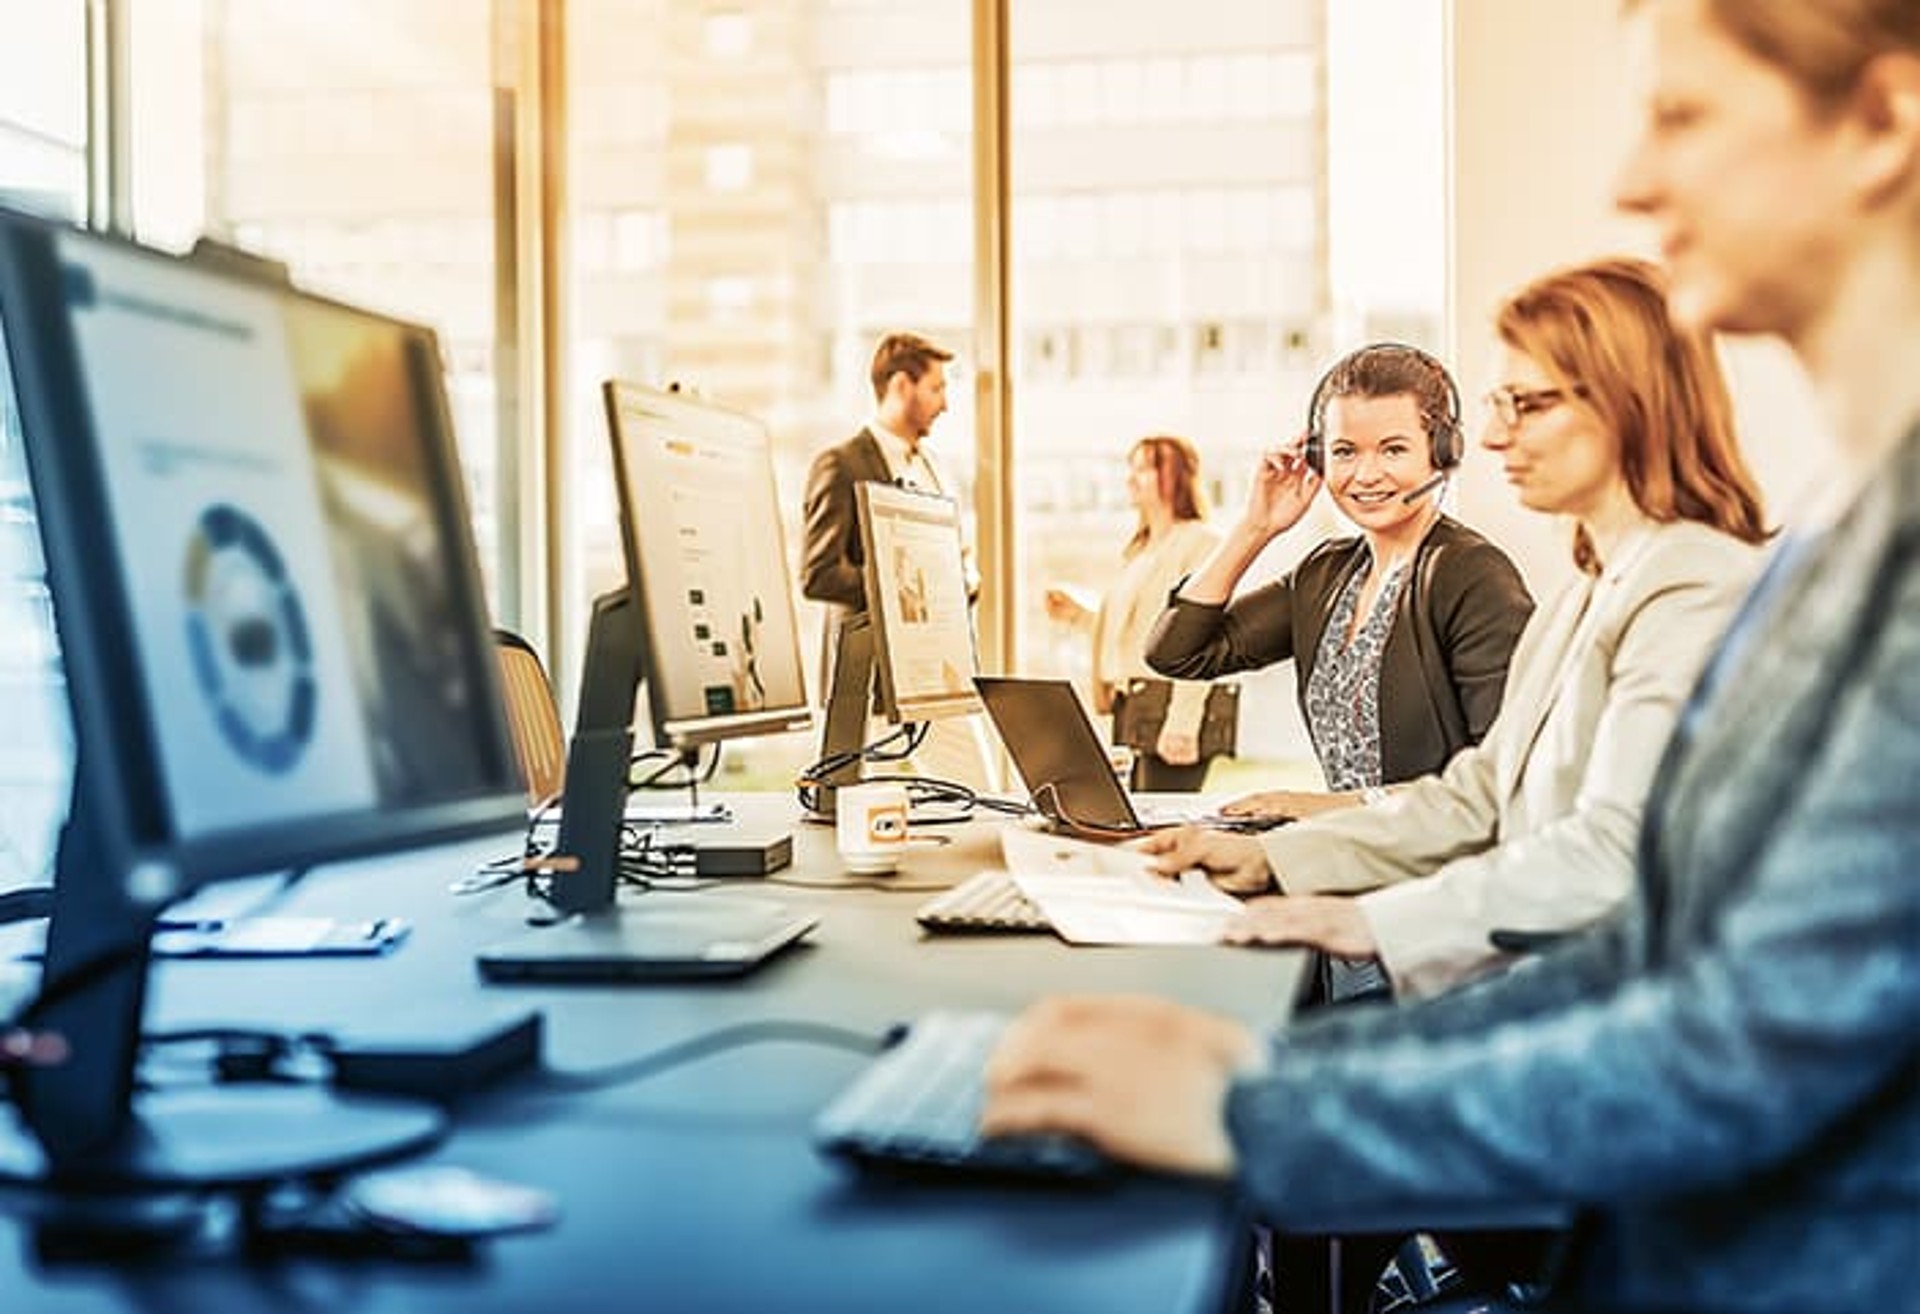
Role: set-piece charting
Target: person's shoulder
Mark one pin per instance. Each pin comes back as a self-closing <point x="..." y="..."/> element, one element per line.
<point x="1330" y="553"/>
<point x="1463" y="540"/>
<point x="1192" y="533"/>
<point x="1325" y="563"/>
<point x="1683" y="551"/>
<point x="1463" y="558"/>
<point x="840" y="453"/>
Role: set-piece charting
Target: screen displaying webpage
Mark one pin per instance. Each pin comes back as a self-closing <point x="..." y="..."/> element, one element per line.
<point x="917" y="594"/>
<point x="712" y="560"/>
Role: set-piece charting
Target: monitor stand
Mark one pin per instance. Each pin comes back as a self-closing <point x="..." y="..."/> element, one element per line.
<point x="81" y="1126"/>
<point x="843" y="729"/>
<point x="665" y="935"/>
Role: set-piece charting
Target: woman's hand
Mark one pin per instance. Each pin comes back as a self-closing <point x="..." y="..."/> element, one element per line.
<point x="1063" y="608"/>
<point x="1287" y="804"/>
<point x="1177" y="749"/>
<point x="1320" y="921"/>
<point x="1142" y="1079"/>
<point x="1236" y="863"/>
<point x="1283" y="488"/>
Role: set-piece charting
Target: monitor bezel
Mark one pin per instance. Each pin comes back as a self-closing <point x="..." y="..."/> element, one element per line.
<point x="117" y="760"/>
<point x="944" y="511"/>
<point x="688" y="732"/>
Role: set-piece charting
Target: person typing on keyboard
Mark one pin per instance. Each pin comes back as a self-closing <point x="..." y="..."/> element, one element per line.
<point x="1725" y="1076"/>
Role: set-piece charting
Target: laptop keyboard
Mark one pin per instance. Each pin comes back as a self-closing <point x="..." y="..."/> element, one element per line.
<point x="918" y="1104"/>
<point x="989" y="901"/>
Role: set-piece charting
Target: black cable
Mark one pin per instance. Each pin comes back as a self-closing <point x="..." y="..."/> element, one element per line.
<point x="713" y="1042"/>
<point x="687" y="758"/>
<point x="1059" y="812"/>
<point x="26" y="903"/>
<point x="896" y="745"/>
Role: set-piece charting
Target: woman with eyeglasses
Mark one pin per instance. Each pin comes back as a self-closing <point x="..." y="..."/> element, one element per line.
<point x="1400" y="634"/>
<point x="1724" y="1079"/>
<point x="1611" y="416"/>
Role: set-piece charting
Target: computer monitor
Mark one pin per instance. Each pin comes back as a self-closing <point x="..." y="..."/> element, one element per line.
<point x="700" y="524"/>
<point x="276" y="650"/>
<point x="705" y="623"/>
<point x="917" y="601"/>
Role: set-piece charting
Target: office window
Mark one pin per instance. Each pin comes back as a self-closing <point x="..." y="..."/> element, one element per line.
<point x="43" y="106"/>
<point x="43" y="169"/>
<point x="730" y="167"/>
<point x="639" y="240"/>
<point x="852" y="218"/>
<point x="729" y="34"/>
<point x="1154" y="295"/>
<point x="353" y="141"/>
<point x="729" y="298"/>
<point x="1123" y="85"/>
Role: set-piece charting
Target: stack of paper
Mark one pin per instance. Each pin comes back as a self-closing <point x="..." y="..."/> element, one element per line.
<point x="1101" y="894"/>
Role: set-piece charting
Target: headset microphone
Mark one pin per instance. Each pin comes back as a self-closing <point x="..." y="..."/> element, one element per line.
<point x="1425" y="488"/>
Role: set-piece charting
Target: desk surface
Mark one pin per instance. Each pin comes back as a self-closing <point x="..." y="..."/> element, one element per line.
<point x="698" y="1188"/>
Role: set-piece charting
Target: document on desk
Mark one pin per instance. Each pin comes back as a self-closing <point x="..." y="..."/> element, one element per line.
<point x="1103" y="894"/>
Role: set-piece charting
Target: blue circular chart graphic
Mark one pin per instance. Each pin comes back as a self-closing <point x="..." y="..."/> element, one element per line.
<point x="248" y="635"/>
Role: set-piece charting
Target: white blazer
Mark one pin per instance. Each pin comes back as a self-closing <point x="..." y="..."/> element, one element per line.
<point x="1534" y="828"/>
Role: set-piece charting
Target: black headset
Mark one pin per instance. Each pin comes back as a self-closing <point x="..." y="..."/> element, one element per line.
<point x="1449" y="446"/>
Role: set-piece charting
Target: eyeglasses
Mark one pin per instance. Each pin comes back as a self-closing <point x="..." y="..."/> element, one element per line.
<point x="1513" y="404"/>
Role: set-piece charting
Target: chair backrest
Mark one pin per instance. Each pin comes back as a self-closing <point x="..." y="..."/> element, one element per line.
<point x="539" y="739"/>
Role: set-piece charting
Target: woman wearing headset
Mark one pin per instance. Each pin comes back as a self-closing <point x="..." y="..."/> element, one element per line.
<point x="1401" y="634"/>
<point x="1533" y="829"/>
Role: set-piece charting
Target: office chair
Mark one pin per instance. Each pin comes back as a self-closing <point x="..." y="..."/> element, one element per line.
<point x="539" y="738"/>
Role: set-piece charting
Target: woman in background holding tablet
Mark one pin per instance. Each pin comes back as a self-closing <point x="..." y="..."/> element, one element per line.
<point x="1171" y="538"/>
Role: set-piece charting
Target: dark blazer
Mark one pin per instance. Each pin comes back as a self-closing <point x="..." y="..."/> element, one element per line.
<point x="832" y="560"/>
<point x="1445" y="663"/>
<point x="1728" y="1072"/>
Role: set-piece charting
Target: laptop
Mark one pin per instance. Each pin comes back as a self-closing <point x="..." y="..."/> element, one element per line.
<point x="1061" y="758"/>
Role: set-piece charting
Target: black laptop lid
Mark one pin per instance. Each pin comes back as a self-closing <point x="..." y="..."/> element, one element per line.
<point x="1060" y="756"/>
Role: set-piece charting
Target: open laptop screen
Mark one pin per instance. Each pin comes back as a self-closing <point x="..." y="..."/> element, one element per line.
<point x="1060" y="756"/>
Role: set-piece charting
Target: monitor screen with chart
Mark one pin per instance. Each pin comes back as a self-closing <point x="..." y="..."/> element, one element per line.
<point x="274" y="636"/>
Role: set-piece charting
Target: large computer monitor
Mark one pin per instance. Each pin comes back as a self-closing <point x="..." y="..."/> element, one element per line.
<point x="276" y="650"/>
<point x="700" y="524"/>
<point x="705" y="623"/>
<point x="917" y="601"/>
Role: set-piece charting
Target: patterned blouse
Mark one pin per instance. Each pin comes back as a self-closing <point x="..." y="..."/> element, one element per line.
<point x="1343" y="692"/>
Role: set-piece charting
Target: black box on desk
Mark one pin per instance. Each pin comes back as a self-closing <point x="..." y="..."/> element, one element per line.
<point x="439" y="1054"/>
<point x="743" y="855"/>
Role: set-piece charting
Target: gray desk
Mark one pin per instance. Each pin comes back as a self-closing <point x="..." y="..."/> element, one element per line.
<point x="698" y="1189"/>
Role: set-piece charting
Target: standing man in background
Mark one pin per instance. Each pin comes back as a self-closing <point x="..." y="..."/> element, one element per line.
<point x="909" y="393"/>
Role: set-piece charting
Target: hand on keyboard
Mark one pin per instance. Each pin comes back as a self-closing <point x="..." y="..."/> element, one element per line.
<point x="919" y="1104"/>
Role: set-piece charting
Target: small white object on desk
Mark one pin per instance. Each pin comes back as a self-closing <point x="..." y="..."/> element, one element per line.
<point x="870" y="826"/>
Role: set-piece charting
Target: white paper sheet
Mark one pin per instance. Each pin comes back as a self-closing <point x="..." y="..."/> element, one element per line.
<point x="1105" y="894"/>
